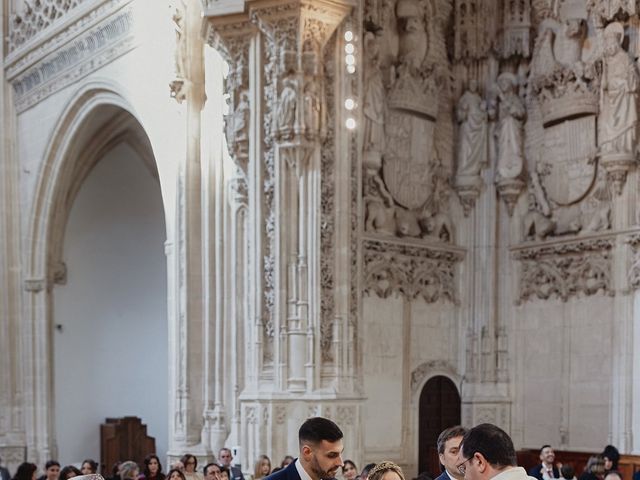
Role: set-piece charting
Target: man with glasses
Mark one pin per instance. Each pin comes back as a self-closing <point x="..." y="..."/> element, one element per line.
<point x="320" y="442"/>
<point x="487" y="453"/>
<point x="448" y="446"/>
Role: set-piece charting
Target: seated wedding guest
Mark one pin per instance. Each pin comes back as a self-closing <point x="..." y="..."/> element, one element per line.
<point x="190" y="463"/>
<point x="115" y="471"/>
<point x="89" y="466"/>
<point x="349" y="470"/>
<point x="26" y="471"/>
<point x="545" y="470"/>
<point x="386" y="471"/>
<point x="262" y="467"/>
<point x="364" y="475"/>
<point x="175" y="474"/>
<point x="152" y="468"/>
<point x="224" y="473"/>
<point x="594" y="469"/>
<point x="51" y="471"/>
<point x="286" y="461"/>
<point x="129" y="470"/>
<point x="611" y="457"/>
<point x="68" y="472"/>
<point x="568" y="472"/>
<point x="211" y="471"/>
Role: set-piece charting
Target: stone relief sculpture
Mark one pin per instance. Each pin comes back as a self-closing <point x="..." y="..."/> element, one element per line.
<point x="618" y="120"/>
<point x="510" y="128"/>
<point x="473" y="144"/>
<point x="374" y="104"/>
<point x="180" y="85"/>
<point x="404" y="188"/>
<point x="286" y="109"/>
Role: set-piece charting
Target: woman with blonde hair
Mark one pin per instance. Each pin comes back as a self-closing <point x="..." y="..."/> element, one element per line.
<point x="386" y="471"/>
<point x="262" y="467"/>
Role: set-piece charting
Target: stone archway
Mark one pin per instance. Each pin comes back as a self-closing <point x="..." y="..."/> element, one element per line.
<point x="439" y="408"/>
<point x="98" y="119"/>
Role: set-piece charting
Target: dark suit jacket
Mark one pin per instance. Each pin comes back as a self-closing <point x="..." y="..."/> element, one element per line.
<point x="236" y="473"/>
<point x="4" y="474"/>
<point x="537" y="472"/>
<point x="443" y="476"/>
<point x="290" y="472"/>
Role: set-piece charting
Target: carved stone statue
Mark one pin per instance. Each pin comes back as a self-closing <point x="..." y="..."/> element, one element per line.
<point x="413" y="42"/>
<point x="287" y="104"/>
<point x="380" y="209"/>
<point x="373" y="109"/>
<point x="535" y="225"/>
<point x="619" y="111"/>
<point x="510" y="128"/>
<point x="472" y="138"/>
<point x="312" y="109"/>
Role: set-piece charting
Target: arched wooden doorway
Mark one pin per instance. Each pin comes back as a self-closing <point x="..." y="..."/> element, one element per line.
<point x="439" y="409"/>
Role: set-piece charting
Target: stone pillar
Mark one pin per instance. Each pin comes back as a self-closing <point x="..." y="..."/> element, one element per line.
<point x="280" y="138"/>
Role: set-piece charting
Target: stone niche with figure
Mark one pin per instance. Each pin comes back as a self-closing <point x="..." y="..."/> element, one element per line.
<point x="407" y="146"/>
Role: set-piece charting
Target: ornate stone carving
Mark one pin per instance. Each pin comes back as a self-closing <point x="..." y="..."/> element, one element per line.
<point x="179" y="86"/>
<point x="565" y="270"/>
<point x="517" y="29"/>
<point x="618" y="120"/>
<point x="36" y="15"/>
<point x="411" y="271"/>
<point x="633" y="276"/>
<point x="424" y="369"/>
<point x="604" y="11"/>
<point x="476" y="29"/>
<point x="35" y="285"/>
<point x="60" y="67"/>
<point x="473" y="145"/>
<point x="374" y="105"/>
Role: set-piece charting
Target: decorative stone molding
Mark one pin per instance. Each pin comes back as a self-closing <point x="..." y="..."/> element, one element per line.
<point x="35" y="285"/>
<point x="94" y="48"/>
<point x="565" y="270"/>
<point x="36" y="16"/>
<point x="411" y="271"/>
<point x="633" y="275"/>
<point x="423" y="370"/>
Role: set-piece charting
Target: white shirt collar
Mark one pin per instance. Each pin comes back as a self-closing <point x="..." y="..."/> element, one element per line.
<point x="301" y="471"/>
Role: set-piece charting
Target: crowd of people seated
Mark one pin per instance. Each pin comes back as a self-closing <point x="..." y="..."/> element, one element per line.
<point x="599" y="467"/>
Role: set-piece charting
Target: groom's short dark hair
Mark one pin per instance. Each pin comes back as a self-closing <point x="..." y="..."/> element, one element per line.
<point x="316" y="429"/>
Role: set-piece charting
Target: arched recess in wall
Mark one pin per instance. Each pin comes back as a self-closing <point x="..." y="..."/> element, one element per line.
<point x="97" y="121"/>
<point x="439" y="407"/>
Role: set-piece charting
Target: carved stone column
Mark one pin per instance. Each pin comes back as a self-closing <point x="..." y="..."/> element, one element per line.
<point x="278" y="134"/>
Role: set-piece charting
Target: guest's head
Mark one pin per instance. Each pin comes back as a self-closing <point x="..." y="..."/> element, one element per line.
<point x="486" y="450"/>
<point x="611" y="457"/>
<point x="286" y="461"/>
<point x="321" y="447"/>
<point x="448" y="444"/>
<point x="225" y="457"/>
<point x="364" y="475"/>
<point x="547" y="455"/>
<point x="262" y="467"/>
<point x="595" y="465"/>
<point x="152" y="466"/>
<point x="211" y="471"/>
<point x="567" y="471"/>
<point x="190" y="462"/>
<point x="129" y="470"/>
<point x="224" y="473"/>
<point x="89" y="466"/>
<point x="26" y="471"/>
<point x="386" y="471"/>
<point x="349" y="470"/>
<point x="52" y="470"/>
<point x="69" y="472"/>
<point x="175" y="474"/>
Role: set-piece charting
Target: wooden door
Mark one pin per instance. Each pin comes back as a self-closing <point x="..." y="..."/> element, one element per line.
<point x="439" y="409"/>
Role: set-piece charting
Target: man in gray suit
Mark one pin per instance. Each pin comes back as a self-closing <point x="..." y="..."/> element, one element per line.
<point x="224" y="458"/>
<point x="448" y="446"/>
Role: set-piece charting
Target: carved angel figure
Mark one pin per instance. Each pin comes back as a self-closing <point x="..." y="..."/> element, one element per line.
<point x="312" y="109"/>
<point x="374" y="94"/>
<point x="510" y="124"/>
<point x="472" y="140"/>
<point x="619" y="111"/>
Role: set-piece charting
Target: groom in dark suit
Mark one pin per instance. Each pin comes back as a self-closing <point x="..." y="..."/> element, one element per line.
<point x="448" y="446"/>
<point x="320" y="457"/>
